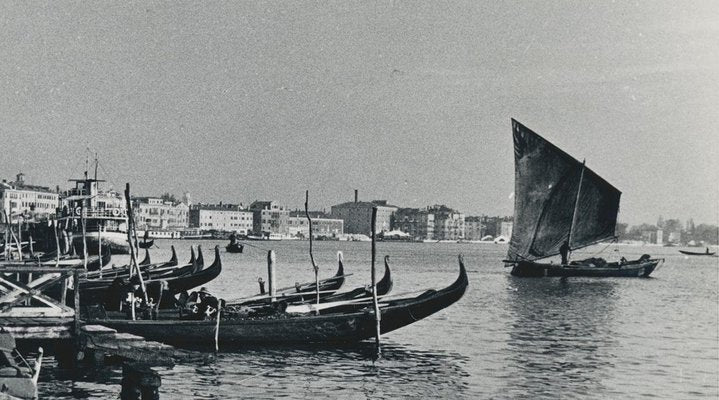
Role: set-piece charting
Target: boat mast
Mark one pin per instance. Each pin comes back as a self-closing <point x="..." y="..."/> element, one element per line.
<point x="576" y="206"/>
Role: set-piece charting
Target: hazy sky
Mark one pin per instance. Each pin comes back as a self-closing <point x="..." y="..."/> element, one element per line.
<point x="405" y="101"/>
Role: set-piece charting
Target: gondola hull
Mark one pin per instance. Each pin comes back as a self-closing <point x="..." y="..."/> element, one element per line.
<point x="338" y="327"/>
<point x="694" y="253"/>
<point x="632" y="269"/>
<point x="234" y="248"/>
<point x="147" y="244"/>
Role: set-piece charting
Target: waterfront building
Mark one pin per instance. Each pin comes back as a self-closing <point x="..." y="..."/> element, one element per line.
<point x="22" y="201"/>
<point x="418" y="223"/>
<point x="270" y="219"/>
<point x="221" y="217"/>
<point x="448" y="223"/>
<point x="474" y="228"/>
<point x="322" y="225"/>
<point x="357" y="215"/>
<point x="158" y="216"/>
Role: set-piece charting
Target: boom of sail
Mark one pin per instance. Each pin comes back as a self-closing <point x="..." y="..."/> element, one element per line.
<point x="556" y="199"/>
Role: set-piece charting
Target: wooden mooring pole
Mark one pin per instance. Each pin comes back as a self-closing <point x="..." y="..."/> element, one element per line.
<point x="377" y="315"/>
<point x="312" y="257"/>
<point x="271" y="282"/>
<point x="139" y="382"/>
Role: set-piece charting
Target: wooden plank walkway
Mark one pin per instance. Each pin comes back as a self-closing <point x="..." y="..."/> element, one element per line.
<point x="37" y="328"/>
<point x="101" y="341"/>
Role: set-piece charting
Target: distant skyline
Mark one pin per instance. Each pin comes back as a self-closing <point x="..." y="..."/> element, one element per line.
<point x="405" y="101"/>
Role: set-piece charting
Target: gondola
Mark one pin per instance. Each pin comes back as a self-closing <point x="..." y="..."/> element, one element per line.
<point x="384" y="286"/>
<point x="695" y="253"/>
<point x="146" y="244"/>
<point x="299" y="292"/>
<point x="178" y="280"/>
<point x="93" y="261"/>
<point x="348" y="325"/>
<point x="146" y="267"/>
<point x="234" y="248"/>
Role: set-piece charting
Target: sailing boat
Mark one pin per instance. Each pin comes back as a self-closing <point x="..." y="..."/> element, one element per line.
<point x="559" y="202"/>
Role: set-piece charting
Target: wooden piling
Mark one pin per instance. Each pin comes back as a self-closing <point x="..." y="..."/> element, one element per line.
<point x="378" y="316"/>
<point x="76" y="292"/>
<point x="271" y="283"/>
<point x="139" y="382"/>
<point x="312" y="257"/>
<point x="130" y="226"/>
<point x="84" y="235"/>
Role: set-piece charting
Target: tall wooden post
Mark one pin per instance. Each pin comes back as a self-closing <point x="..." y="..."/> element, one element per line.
<point x="133" y="258"/>
<point x="312" y="257"/>
<point x="99" y="245"/>
<point x="84" y="235"/>
<point x="271" y="283"/>
<point x="57" y="243"/>
<point x="76" y="292"/>
<point x="19" y="239"/>
<point x="378" y="316"/>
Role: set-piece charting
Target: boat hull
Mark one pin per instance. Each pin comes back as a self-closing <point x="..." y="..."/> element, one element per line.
<point x="634" y="269"/>
<point x="354" y="325"/>
<point x="115" y="241"/>
<point x="693" y="253"/>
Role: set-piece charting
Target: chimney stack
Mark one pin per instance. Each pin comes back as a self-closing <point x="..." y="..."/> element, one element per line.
<point x="355" y="195"/>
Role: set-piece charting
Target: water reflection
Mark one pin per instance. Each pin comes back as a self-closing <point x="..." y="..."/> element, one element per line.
<point x="347" y="372"/>
<point x="560" y="336"/>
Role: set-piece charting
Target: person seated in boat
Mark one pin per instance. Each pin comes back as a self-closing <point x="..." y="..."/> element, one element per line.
<point x="193" y="307"/>
<point x="157" y="297"/>
<point x="201" y="305"/>
<point x="564" y="251"/>
<point x="209" y="305"/>
<point x="115" y="294"/>
<point x="233" y="238"/>
<point x="132" y="296"/>
<point x="182" y="303"/>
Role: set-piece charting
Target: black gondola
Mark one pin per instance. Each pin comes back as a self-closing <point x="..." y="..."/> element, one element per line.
<point x="351" y="324"/>
<point x="146" y="244"/>
<point x="234" y="248"/>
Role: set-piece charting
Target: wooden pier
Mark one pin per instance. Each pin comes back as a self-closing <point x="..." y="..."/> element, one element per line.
<point x="34" y="318"/>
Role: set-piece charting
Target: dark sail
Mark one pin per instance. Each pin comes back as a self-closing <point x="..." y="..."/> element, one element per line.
<point x="547" y="183"/>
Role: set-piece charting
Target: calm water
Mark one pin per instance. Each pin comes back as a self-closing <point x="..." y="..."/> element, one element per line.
<point x="507" y="338"/>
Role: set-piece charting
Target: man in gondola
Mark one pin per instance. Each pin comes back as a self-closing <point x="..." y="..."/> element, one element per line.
<point x="233" y="238"/>
<point x="564" y="251"/>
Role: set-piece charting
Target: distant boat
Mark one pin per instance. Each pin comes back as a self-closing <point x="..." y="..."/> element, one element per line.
<point x="694" y="253"/>
<point x="146" y="244"/>
<point x="560" y="203"/>
<point x="234" y="247"/>
<point x="103" y="214"/>
<point x="272" y="236"/>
